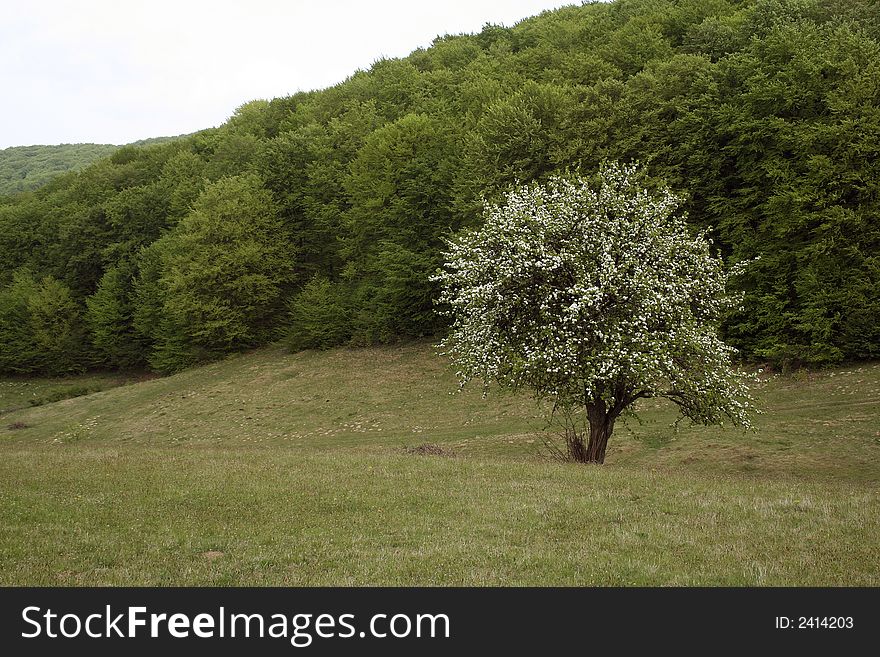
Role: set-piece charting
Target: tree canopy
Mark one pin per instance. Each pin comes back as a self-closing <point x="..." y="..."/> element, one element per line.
<point x="593" y="295"/>
<point x="24" y="168"/>
<point x="762" y="115"/>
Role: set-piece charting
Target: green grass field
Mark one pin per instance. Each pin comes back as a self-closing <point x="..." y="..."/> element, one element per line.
<point x="278" y="469"/>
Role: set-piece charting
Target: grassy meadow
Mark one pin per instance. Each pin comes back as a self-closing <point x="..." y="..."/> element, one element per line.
<point x="312" y="469"/>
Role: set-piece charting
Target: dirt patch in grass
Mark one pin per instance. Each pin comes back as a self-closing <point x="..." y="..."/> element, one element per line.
<point x="429" y="449"/>
<point x="18" y="425"/>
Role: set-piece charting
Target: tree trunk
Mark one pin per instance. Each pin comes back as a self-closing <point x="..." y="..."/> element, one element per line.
<point x="601" y="426"/>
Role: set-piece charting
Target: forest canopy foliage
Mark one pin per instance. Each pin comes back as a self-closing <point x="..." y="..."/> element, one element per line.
<point x="24" y="168"/>
<point x="321" y="216"/>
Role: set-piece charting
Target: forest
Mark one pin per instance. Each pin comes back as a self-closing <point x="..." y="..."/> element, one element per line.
<point x="24" y="168"/>
<point x="319" y="218"/>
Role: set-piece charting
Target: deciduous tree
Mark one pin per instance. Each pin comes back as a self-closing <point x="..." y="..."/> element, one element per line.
<point x="594" y="295"/>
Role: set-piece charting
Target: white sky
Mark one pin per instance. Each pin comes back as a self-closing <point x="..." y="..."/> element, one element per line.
<point x="115" y="71"/>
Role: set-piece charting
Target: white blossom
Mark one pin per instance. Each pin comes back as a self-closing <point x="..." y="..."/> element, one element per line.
<point x="593" y="294"/>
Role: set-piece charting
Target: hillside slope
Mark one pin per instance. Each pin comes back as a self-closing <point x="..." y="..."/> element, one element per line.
<point x="270" y="468"/>
<point x="814" y="426"/>
<point x="24" y="168"/>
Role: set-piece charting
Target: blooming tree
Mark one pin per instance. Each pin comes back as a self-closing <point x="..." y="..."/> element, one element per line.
<point x="593" y="295"/>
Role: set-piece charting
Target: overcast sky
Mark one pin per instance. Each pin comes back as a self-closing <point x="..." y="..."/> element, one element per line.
<point x="115" y="71"/>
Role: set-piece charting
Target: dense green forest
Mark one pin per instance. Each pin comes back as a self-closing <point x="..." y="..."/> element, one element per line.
<point x="25" y="168"/>
<point x="319" y="217"/>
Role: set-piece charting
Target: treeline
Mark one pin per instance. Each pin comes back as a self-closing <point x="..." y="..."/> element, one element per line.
<point x="318" y="218"/>
<point x="24" y="168"/>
